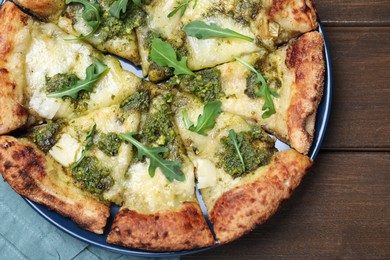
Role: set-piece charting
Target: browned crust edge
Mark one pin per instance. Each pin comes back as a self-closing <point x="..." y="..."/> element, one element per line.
<point x="43" y="9"/>
<point x="239" y="210"/>
<point x="305" y="58"/>
<point x="25" y="168"/>
<point x="181" y="229"/>
<point x="13" y="114"/>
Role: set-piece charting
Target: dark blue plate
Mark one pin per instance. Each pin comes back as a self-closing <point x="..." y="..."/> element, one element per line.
<point x="100" y="240"/>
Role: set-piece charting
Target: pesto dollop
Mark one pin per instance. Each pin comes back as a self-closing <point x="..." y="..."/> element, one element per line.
<point x="45" y="136"/>
<point x="253" y="87"/>
<point x="109" y="143"/>
<point x="59" y="81"/>
<point x="243" y="11"/>
<point x="158" y="127"/>
<point x="114" y="27"/>
<point x="256" y="148"/>
<point x="139" y="101"/>
<point x="206" y="84"/>
<point x="92" y="176"/>
<point x="64" y="80"/>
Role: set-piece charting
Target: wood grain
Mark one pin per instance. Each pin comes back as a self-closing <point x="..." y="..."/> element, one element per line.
<point x="360" y="115"/>
<point x="354" y="12"/>
<point x="340" y="210"/>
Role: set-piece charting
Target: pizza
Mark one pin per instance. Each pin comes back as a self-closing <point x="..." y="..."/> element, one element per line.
<point x="79" y="134"/>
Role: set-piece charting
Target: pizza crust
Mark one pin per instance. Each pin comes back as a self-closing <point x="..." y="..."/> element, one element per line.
<point x="305" y="58"/>
<point x="37" y="177"/>
<point x="240" y="209"/>
<point x="44" y="9"/>
<point x="14" y="38"/>
<point x="181" y="229"/>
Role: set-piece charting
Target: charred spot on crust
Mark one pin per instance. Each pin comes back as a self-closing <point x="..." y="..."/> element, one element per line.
<point x="20" y="110"/>
<point x="7" y="145"/>
<point x="7" y="165"/>
<point x="129" y="232"/>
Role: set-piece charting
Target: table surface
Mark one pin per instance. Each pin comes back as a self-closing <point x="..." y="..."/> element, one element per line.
<point x="342" y="207"/>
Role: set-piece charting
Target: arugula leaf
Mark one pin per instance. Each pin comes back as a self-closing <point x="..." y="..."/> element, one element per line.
<point x="137" y="2"/>
<point x="117" y="7"/>
<point x="163" y="54"/>
<point x="206" y="120"/>
<point x="88" y="145"/>
<point x="182" y="6"/>
<point x="171" y="169"/>
<point x="94" y="72"/>
<point x="232" y="139"/>
<point x="202" y="30"/>
<point x="90" y="14"/>
<point x="121" y="6"/>
<point x="264" y="91"/>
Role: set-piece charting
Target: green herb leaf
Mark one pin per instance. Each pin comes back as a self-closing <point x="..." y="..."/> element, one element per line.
<point x="182" y="6"/>
<point x="90" y="14"/>
<point x="202" y="30"/>
<point x="88" y="145"/>
<point x="171" y="169"/>
<point x="94" y="72"/>
<point x="206" y="120"/>
<point x="117" y="7"/>
<point x="264" y="91"/>
<point x="163" y="54"/>
<point x="121" y="6"/>
<point x="137" y="2"/>
<point x="233" y="140"/>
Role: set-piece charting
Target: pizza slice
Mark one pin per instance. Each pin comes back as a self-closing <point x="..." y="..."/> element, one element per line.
<point x="76" y="167"/>
<point x="106" y="24"/>
<point x="209" y="33"/>
<point x="280" y="90"/>
<point x="47" y="77"/>
<point x="242" y="177"/>
<point x="38" y="177"/>
<point x="160" y="211"/>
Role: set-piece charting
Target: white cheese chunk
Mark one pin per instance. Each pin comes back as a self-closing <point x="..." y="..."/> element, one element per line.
<point x="66" y="151"/>
<point x="206" y="173"/>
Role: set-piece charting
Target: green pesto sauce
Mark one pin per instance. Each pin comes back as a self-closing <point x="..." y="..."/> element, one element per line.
<point x="158" y="127"/>
<point x="124" y="26"/>
<point x="59" y="81"/>
<point x="139" y="101"/>
<point x="206" y="84"/>
<point x="256" y="148"/>
<point x="252" y="87"/>
<point x="46" y="136"/>
<point x="64" y="80"/>
<point x="93" y="177"/>
<point x="242" y="11"/>
<point x="109" y="143"/>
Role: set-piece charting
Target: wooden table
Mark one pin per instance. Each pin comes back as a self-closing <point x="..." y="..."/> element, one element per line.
<point x="342" y="208"/>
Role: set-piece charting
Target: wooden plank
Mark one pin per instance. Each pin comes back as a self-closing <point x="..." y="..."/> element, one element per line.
<point x="360" y="116"/>
<point x="340" y="210"/>
<point x="354" y="12"/>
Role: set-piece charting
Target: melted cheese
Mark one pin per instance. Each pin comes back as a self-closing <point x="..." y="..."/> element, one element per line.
<point x="147" y="194"/>
<point x="49" y="54"/>
<point x="222" y="50"/>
